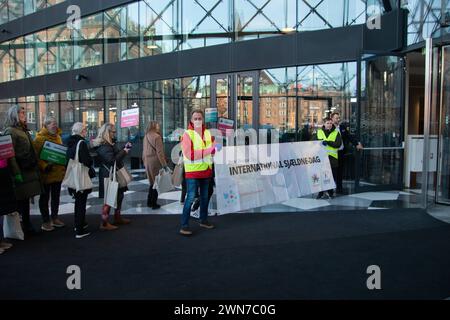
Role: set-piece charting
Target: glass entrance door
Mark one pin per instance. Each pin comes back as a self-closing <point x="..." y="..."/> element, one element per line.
<point x="236" y="98"/>
<point x="443" y="187"/>
<point x="380" y="164"/>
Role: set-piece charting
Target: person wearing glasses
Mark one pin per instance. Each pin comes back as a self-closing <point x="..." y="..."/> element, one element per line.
<point x="109" y="153"/>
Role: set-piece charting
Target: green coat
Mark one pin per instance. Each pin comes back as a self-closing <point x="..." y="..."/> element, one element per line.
<point x="25" y="163"/>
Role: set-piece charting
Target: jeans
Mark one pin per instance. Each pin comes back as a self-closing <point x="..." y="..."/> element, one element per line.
<point x="80" y="210"/>
<point x="192" y="186"/>
<point x="52" y="190"/>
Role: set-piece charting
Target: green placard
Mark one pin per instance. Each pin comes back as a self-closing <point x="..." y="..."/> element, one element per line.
<point x="54" y="153"/>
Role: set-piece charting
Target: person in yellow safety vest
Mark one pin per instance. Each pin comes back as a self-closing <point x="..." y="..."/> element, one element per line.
<point x="198" y="148"/>
<point x="331" y="139"/>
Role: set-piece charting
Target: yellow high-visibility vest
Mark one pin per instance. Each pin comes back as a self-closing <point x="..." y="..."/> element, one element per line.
<point x="331" y="137"/>
<point x="205" y="162"/>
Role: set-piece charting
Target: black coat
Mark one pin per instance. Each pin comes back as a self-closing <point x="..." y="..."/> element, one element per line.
<point x="347" y="137"/>
<point x="107" y="155"/>
<point x="83" y="155"/>
<point x="8" y="202"/>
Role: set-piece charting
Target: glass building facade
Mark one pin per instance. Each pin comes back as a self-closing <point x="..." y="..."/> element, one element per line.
<point x="368" y="91"/>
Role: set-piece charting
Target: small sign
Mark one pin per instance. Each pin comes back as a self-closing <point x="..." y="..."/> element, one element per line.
<point x="211" y="115"/>
<point x="54" y="153"/>
<point x="224" y="125"/>
<point x="6" y="147"/>
<point x="130" y="118"/>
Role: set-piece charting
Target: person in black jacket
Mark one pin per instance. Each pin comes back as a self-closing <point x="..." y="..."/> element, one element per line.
<point x="108" y="154"/>
<point x="8" y="202"/>
<point x="347" y="139"/>
<point x="79" y="134"/>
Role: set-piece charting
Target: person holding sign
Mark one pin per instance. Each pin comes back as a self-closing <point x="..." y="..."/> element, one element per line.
<point x="48" y="145"/>
<point x="154" y="160"/>
<point x="109" y="153"/>
<point x="24" y="165"/>
<point x="198" y="147"/>
<point x="331" y="140"/>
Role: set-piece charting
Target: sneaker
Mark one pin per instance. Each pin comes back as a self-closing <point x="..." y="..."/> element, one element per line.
<point x="47" y="226"/>
<point x="156" y="207"/>
<point x="5" y="245"/>
<point x="58" y="223"/>
<point x="82" y="234"/>
<point x="185" y="231"/>
<point x="108" y="227"/>
<point x="207" y="225"/>
<point x="326" y="196"/>
<point x="319" y="196"/>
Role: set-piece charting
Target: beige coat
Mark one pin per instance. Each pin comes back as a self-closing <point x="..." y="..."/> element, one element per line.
<point x="153" y="155"/>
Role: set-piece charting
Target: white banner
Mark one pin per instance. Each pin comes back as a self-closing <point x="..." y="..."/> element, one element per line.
<point x="253" y="176"/>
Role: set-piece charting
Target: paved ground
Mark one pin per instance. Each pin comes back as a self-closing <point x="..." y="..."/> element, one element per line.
<point x="316" y="255"/>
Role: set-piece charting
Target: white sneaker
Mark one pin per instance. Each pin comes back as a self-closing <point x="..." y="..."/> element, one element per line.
<point x="47" y="227"/>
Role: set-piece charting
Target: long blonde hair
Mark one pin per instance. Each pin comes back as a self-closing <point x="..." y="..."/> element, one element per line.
<point x="152" y="127"/>
<point x="104" y="135"/>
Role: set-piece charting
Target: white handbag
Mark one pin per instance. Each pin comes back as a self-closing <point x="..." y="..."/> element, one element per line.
<point x="163" y="181"/>
<point x="111" y="187"/>
<point x="77" y="174"/>
<point x="178" y="173"/>
<point x="11" y="226"/>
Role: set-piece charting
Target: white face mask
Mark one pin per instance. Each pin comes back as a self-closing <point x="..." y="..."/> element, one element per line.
<point x="198" y="123"/>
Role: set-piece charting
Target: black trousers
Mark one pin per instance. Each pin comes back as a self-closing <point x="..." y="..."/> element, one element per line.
<point x="340" y="172"/>
<point x="52" y="191"/>
<point x="80" y="210"/>
<point x="23" y="207"/>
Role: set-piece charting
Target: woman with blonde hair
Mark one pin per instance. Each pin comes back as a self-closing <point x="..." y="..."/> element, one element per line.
<point x="154" y="159"/>
<point x="108" y="154"/>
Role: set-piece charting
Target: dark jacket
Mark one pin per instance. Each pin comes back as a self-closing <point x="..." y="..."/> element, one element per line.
<point x="24" y="163"/>
<point x="334" y="144"/>
<point x="347" y="137"/>
<point x="107" y="155"/>
<point x="8" y="202"/>
<point x="83" y="155"/>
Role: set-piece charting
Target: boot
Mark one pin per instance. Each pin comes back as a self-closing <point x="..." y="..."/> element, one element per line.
<point x="155" y="206"/>
<point x="118" y="220"/>
<point x="105" y="225"/>
<point x="150" y="197"/>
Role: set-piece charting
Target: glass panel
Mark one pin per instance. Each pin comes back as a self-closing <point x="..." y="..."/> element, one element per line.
<point x="3" y="11"/>
<point x="222" y="96"/>
<point x="381" y="109"/>
<point x="17" y="59"/>
<point x="381" y="167"/>
<point x="5" y="66"/>
<point x="122" y="33"/>
<point x="424" y="19"/>
<point x="36" y="54"/>
<point x="158" y="27"/>
<point x="15" y="9"/>
<point x="444" y="166"/>
<point x="88" y="49"/>
<point x="60" y="49"/>
<point x="206" y="23"/>
<point x="244" y="108"/>
<point x="381" y="121"/>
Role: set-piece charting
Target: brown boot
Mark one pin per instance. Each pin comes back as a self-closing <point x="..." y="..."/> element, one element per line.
<point x="118" y="220"/>
<point x="106" y="226"/>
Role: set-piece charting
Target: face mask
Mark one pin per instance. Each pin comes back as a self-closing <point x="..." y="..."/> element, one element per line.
<point x="198" y="123"/>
